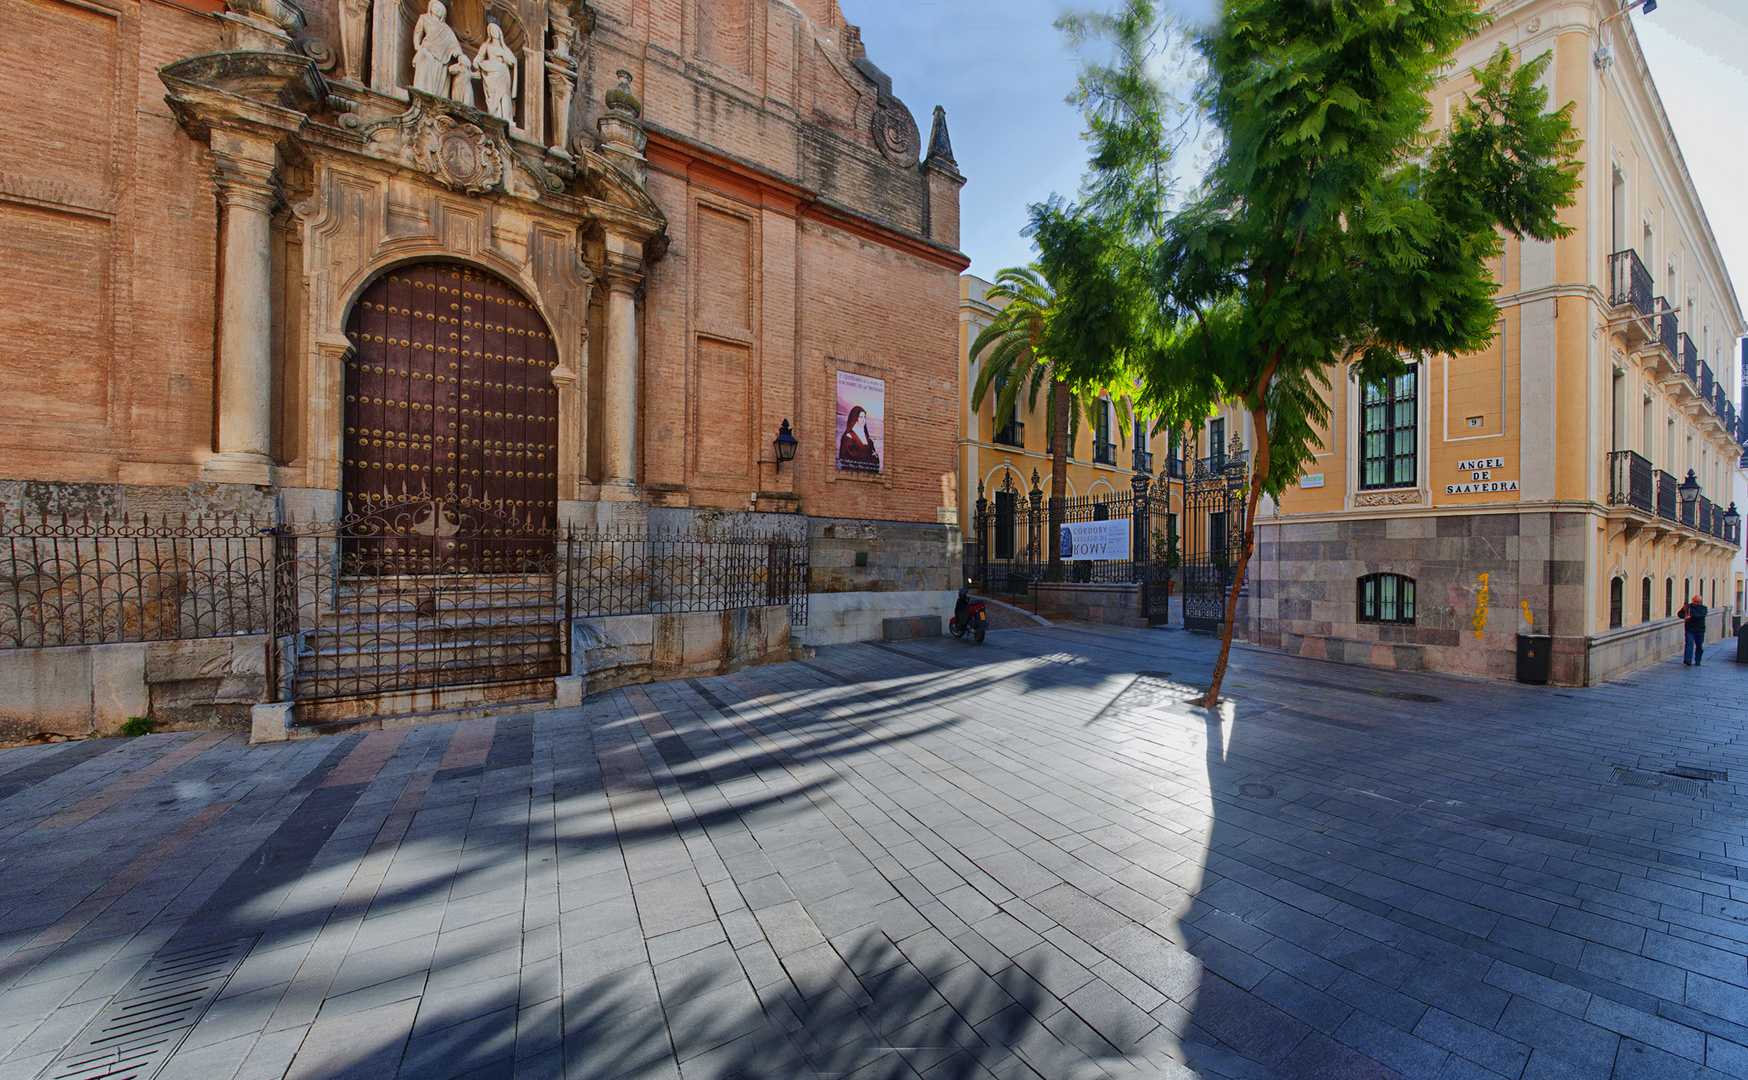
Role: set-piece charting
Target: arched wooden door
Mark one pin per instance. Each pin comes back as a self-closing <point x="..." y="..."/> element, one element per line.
<point x="451" y="425"/>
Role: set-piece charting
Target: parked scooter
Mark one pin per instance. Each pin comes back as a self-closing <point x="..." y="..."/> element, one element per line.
<point x="968" y="616"/>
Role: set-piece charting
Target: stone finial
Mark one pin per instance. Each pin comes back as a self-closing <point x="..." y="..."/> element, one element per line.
<point x="622" y="137"/>
<point x="940" y="145"/>
<point x="621" y="100"/>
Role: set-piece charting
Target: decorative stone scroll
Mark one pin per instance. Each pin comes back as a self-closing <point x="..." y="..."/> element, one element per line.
<point x="463" y="148"/>
<point x="1402" y="497"/>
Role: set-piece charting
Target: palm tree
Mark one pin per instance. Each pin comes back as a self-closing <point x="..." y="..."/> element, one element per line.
<point x="1017" y="363"/>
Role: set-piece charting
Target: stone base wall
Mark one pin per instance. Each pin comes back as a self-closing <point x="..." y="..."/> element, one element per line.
<point x="35" y="498"/>
<point x="94" y="689"/>
<point x="1480" y="579"/>
<point x="620" y="650"/>
<point x="1116" y="604"/>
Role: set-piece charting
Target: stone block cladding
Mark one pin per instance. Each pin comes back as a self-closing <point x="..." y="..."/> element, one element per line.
<point x="1480" y="579"/>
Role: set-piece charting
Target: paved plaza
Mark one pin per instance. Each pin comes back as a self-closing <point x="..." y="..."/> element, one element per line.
<point x="936" y="859"/>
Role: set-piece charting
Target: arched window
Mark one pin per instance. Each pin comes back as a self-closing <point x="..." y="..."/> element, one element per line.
<point x="1617" y="589"/>
<point x="1645" y="600"/>
<point x="1386" y="598"/>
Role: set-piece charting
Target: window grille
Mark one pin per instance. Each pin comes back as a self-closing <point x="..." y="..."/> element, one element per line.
<point x="1386" y="598"/>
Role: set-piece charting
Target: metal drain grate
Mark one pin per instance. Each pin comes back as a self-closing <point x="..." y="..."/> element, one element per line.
<point x="135" y="1035"/>
<point x="1692" y="772"/>
<point x="1409" y="695"/>
<point x="1657" y="781"/>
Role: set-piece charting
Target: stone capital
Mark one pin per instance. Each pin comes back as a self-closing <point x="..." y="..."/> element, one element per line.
<point x="245" y="181"/>
<point x="623" y="271"/>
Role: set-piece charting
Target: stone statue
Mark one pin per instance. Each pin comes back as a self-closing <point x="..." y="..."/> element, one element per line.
<point x="437" y="55"/>
<point x="496" y="63"/>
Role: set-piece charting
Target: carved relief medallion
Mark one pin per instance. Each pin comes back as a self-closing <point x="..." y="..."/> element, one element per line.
<point x="460" y="155"/>
<point x="460" y="146"/>
<point x="895" y="133"/>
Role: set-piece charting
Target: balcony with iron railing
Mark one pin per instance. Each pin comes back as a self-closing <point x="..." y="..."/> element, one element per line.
<point x="1013" y="433"/>
<point x="1143" y="463"/>
<point x="1668" y="499"/>
<point x="1631" y="482"/>
<point x="1703" y="517"/>
<point x="1707" y="385"/>
<point x="1668" y="327"/>
<point x="1687" y="353"/>
<point x="1104" y="453"/>
<point x="1630" y="283"/>
<point x="1174" y="466"/>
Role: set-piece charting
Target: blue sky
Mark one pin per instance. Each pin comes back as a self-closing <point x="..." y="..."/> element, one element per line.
<point x="1003" y="71"/>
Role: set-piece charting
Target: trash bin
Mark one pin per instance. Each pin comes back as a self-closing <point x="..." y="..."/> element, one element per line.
<point x="1533" y="654"/>
<point x="1742" y="644"/>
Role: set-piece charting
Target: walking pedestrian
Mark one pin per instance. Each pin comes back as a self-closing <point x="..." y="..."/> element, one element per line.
<point x="1694" y="611"/>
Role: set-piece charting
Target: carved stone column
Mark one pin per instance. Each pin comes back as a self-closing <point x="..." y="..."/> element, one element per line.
<point x="244" y="165"/>
<point x="624" y="275"/>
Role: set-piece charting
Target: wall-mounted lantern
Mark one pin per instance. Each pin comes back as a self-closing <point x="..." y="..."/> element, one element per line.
<point x="785" y="442"/>
<point x="1689" y="489"/>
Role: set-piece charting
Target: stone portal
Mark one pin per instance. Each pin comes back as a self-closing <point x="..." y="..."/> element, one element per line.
<point x="451" y="425"/>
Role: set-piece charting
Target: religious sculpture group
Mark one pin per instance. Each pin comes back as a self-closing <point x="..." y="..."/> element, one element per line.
<point x="442" y="67"/>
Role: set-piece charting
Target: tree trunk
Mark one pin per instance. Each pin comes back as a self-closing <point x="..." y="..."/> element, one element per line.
<point x="1258" y="471"/>
<point x="1059" y="409"/>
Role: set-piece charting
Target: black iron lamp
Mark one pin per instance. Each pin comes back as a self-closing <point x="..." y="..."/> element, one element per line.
<point x="1732" y="522"/>
<point x="785" y="442"/>
<point x="1689" y="489"/>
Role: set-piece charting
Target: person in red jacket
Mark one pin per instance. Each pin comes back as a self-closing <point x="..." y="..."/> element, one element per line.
<point x="1694" y="611"/>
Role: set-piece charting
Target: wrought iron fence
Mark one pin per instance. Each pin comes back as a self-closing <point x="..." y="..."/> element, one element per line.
<point x="351" y="620"/>
<point x="1009" y="546"/>
<point x="409" y="596"/>
<point x="634" y="572"/>
<point x="93" y="581"/>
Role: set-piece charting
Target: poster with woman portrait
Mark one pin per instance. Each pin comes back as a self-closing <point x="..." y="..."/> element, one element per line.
<point x="861" y="422"/>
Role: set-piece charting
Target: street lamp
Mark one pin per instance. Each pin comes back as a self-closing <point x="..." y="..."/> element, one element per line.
<point x="785" y="442"/>
<point x="1732" y="524"/>
<point x="1689" y="489"/>
<point x="1604" y="56"/>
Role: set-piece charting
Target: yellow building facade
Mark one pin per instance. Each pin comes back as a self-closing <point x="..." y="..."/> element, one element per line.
<point x="1536" y="487"/>
<point x="998" y="457"/>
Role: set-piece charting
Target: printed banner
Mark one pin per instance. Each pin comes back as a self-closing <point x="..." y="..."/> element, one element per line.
<point x="861" y="422"/>
<point x="1086" y="540"/>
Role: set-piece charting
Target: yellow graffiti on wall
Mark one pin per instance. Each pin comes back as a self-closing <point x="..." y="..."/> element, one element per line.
<point x="1528" y="619"/>
<point x="1479" y="622"/>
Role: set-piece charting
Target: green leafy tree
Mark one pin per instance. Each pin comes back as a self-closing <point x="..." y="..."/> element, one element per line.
<point x="1333" y="226"/>
<point x="1020" y="361"/>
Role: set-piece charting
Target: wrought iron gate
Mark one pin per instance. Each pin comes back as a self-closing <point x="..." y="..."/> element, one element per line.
<point x="1215" y="495"/>
<point x="1007" y="552"/>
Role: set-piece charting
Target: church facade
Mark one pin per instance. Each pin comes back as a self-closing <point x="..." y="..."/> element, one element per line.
<point x="632" y="265"/>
